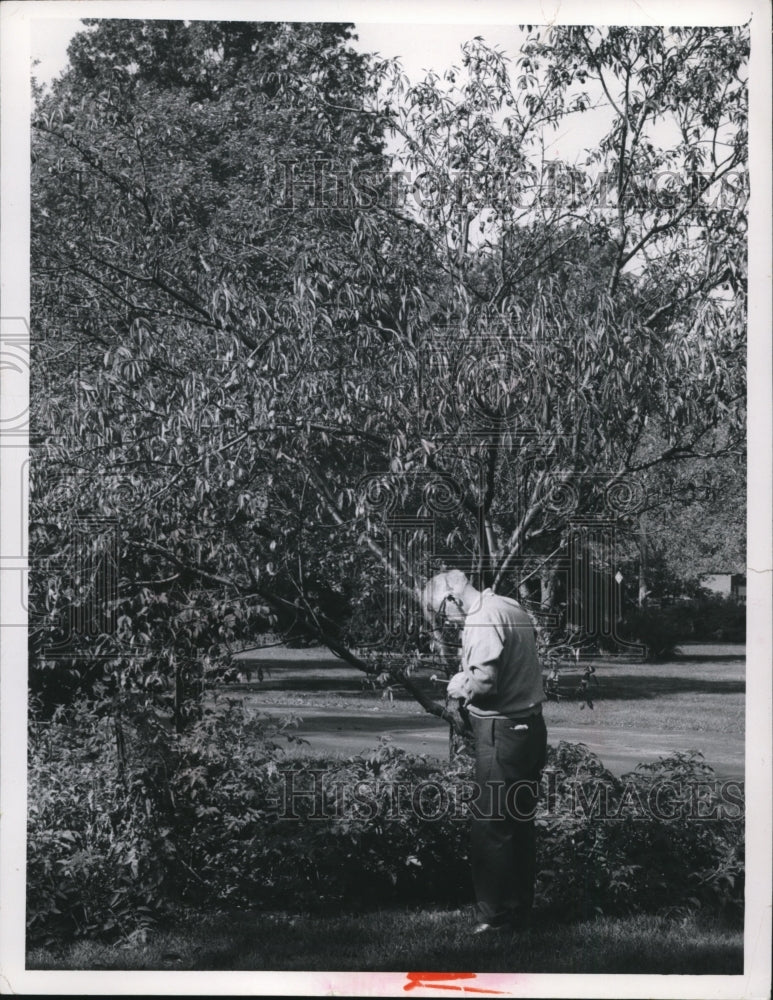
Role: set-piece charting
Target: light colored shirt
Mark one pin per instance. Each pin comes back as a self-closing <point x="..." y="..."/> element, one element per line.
<point x="499" y="655"/>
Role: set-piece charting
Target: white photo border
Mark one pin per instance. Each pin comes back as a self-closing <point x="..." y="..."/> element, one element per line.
<point x="17" y="18"/>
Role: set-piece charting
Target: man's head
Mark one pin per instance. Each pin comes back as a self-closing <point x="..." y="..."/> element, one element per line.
<point x="450" y="595"/>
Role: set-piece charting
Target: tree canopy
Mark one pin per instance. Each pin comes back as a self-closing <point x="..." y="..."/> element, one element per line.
<point x="289" y="372"/>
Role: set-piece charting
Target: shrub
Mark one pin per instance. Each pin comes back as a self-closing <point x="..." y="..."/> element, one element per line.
<point x="664" y="837"/>
<point x="716" y="618"/>
<point x="95" y="854"/>
<point x="129" y="822"/>
<point x="659" y="629"/>
<point x="200" y="819"/>
<point x="708" y="618"/>
<point x="288" y="832"/>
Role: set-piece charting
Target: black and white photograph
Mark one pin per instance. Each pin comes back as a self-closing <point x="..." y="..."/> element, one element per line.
<point x="385" y="561"/>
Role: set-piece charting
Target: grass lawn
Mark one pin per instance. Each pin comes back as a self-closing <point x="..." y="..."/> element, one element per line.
<point x="693" y="694"/>
<point x="403" y="940"/>
<point x="642" y="711"/>
<point x="677" y="696"/>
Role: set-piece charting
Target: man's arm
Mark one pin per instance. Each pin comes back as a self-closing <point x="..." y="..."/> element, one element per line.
<point x="482" y="647"/>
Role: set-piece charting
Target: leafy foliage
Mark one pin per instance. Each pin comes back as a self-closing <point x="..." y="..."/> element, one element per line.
<point x="95" y="851"/>
<point x="158" y="404"/>
<point x="236" y="320"/>
<point x="640" y="842"/>
<point x="707" y="618"/>
<point x="126" y="832"/>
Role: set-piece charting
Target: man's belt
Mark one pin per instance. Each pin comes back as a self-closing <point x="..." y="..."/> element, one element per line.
<point x="533" y="713"/>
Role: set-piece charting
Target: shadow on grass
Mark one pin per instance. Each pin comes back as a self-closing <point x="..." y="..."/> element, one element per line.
<point x="688" y="657"/>
<point x="523" y="955"/>
<point x="316" y="683"/>
<point x="629" y="687"/>
<point x="375" y="723"/>
<point x="610" y="686"/>
<point x="398" y="940"/>
<point x="401" y="942"/>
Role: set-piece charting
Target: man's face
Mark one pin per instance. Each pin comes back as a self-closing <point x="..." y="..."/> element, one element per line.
<point x="449" y="622"/>
<point x="450" y="611"/>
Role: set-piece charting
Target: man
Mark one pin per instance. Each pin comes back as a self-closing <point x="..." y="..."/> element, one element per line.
<point x="500" y="683"/>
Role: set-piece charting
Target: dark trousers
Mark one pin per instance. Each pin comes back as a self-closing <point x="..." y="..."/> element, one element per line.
<point x="509" y="758"/>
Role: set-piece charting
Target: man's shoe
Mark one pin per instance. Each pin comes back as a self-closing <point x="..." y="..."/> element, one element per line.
<point x="484" y="928"/>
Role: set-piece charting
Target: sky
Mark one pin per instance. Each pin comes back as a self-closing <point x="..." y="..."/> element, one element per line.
<point x="49" y="39"/>
<point x="420" y="47"/>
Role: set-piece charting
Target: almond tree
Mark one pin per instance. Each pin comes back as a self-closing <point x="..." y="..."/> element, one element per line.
<point x="301" y="377"/>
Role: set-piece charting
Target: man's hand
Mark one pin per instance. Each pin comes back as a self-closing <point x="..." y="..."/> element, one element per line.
<point x="460" y="686"/>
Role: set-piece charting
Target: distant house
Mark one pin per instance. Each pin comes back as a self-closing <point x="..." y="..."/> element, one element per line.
<point x="732" y="585"/>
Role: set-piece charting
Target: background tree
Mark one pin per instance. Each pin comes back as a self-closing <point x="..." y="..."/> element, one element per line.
<point x="695" y="526"/>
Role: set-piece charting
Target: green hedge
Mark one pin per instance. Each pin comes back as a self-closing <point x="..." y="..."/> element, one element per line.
<point x="128" y="823"/>
<point x="705" y="619"/>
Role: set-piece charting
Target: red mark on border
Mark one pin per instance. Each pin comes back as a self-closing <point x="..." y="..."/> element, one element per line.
<point x="438" y="981"/>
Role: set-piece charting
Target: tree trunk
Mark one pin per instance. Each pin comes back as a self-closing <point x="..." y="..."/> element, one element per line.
<point x="643" y="591"/>
<point x="179" y="697"/>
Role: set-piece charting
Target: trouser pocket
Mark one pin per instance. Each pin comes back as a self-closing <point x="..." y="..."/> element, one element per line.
<point x="520" y="748"/>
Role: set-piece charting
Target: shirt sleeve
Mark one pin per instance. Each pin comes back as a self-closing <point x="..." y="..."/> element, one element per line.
<point x="482" y="646"/>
